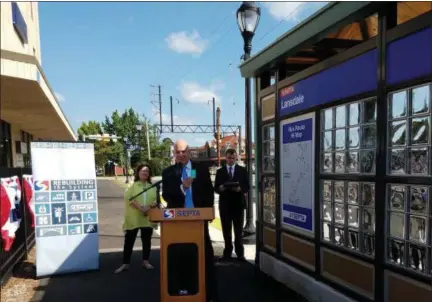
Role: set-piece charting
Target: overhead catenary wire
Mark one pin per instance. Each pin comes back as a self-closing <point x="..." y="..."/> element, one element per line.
<point x="282" y="21"/>
<point x="212" y="33"/>
<point x="230" y="62"/>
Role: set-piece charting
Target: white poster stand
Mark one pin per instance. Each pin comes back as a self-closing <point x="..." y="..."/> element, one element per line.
<point x="66" y="210"/>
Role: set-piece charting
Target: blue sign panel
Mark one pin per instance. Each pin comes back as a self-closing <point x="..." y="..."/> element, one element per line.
<point x="90" y="217"/>
<point x="352" y="77"/>
<point x="297" y="132"/>
<point x="43" y="220"/>
<point x="75" y="229"/>
<point x="89" y="195"/>
<point x="51" y="231"/>
<point x="58" y="196"/>
<point x="74" y="218"/>
<point x="42" y="208"/>
<point x="73" y="195"/>
<point x="410" y="57"/>
<point x="58" y="213"/>
<point x="42" y="197"/>
<point x="90" y="228"/>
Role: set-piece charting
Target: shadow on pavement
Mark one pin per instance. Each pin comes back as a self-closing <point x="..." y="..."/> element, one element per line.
<point x="237" y="282"/>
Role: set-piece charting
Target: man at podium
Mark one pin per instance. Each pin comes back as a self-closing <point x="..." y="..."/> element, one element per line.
<point x="188" y="185"/>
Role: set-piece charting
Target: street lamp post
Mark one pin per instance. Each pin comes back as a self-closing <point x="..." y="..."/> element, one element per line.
<point x="139" y="128"/>
<point x="248" y="16"/>
<point x="126" y="149"/>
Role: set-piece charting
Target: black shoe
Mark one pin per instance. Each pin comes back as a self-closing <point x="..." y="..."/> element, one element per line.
<point x="241" y="259"/>
<point x="225" y="259"/>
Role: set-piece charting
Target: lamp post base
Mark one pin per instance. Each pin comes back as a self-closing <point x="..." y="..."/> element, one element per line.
<point x="249" y="228"/>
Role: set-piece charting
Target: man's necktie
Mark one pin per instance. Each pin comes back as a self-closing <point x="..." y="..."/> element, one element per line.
<point x="188" y="193"/>
<point x="230" y="173"/>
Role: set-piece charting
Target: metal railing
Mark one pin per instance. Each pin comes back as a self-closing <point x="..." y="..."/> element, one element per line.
<point x="24" y="236"/>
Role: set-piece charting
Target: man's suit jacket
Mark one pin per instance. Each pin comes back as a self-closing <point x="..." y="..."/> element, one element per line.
<point x="228" y="198"/>
<point x="202" y="188"/>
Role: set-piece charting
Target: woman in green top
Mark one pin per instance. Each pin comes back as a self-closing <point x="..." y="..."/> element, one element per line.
<point x="136" y="218"/>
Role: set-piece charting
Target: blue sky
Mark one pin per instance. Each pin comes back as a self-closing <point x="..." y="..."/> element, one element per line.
<point x="102" y="56"/>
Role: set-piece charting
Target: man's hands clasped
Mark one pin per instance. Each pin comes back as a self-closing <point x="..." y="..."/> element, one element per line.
<point x="234" y="189"/>
<point x="187" y="183"/>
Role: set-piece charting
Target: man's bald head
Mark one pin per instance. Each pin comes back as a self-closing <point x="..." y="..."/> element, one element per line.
<point x="180" y="144"/>
<point x="181" y="150"/>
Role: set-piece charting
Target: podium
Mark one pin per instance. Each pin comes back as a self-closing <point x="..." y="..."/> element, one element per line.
<point x="182" y="252"/>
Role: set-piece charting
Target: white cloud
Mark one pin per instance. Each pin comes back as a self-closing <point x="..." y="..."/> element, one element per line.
<point x="184" y="42"/>
<point x="193" y="92"/>
<point x="59" y="97"/>
<point x="284" y="10"/>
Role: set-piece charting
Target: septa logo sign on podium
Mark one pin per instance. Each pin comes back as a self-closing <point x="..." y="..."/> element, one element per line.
<point x="169" y="214"/>
<point x="187" y="213"/>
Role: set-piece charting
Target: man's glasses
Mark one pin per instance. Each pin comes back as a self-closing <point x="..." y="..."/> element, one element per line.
<point x="181" y="152"/>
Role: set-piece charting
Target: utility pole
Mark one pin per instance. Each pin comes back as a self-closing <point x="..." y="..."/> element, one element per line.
<point x="158" y="103"/>
<point x="172" y="116"/>
<point x="148" y="141"/>
<point x="218" y="113"/>
<point x="160" y="106"/>
<point x="214" y="114"/>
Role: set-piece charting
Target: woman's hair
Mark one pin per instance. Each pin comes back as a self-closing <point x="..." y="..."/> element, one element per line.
<point x="139" y="168"/>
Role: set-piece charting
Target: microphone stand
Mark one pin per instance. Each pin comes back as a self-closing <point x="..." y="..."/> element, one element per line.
<point x="157" y="185"/>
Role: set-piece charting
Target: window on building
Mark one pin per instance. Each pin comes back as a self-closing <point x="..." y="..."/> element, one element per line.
<point x="268" y="148"/>
<point x="269" y="200"/>
<point x="268" y="107"/>
<point x="409" y="206"/>
<point x="348" y="143"/>
<point x="26" y="139"/>
<point x="410" y="131"/>
<point x="5" y="145"/>
<point x="268" y="167"/>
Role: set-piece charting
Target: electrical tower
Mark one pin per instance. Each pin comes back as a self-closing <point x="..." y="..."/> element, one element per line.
<point x="216" y="128"/>
<point x="156" y="101"/>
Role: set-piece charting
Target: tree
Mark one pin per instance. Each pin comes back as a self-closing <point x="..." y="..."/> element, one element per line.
<point x="89" y="128"/>
<point x="104" y="150"/>
<point x="125" y="126"/>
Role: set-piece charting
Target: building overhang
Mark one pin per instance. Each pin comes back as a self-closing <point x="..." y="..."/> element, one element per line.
<point x="315" y="28"/>
<point x="28" y="101"/>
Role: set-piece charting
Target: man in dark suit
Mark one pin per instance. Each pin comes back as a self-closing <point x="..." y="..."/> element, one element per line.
<point x="187" y="185"/>
<point x="231" y="184"/>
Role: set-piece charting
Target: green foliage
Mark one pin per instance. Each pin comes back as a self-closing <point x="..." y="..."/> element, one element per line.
<point x="125" y="125"/>
<point x="104" y="150"/>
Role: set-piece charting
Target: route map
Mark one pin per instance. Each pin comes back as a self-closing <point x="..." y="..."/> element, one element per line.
<point x="297" y="172"/>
